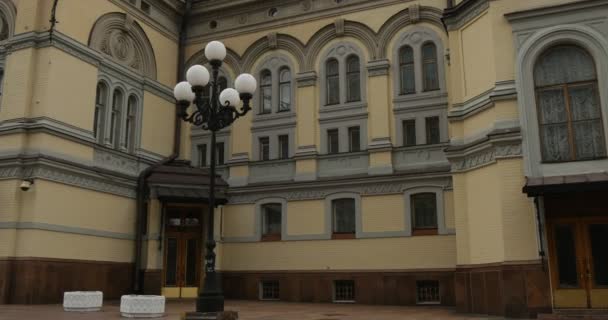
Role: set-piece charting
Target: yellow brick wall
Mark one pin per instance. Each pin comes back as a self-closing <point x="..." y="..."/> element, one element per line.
<point x="383" y="213"/>
<point x="239" y="221"/>
<point x="305" y="217"/>
<point x="428" y="252"/>
<point x="158" y="125"/>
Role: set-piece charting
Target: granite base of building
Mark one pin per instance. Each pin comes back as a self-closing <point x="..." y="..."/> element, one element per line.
<point x="371" y="287"/>
<point x="44" y="280"/>
<point x="509" y="290"/>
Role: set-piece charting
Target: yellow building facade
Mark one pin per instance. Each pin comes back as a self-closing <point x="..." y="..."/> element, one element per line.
<point x="398" y="152"/>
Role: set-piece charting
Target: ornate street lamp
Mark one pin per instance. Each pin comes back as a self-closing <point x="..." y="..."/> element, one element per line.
<point x="215" y="114"/>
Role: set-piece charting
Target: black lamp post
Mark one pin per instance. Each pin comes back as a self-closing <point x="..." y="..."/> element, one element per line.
<point x="215" y="114"/>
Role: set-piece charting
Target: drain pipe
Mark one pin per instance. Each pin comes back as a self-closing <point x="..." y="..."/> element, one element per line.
<point x="141" y="207"/>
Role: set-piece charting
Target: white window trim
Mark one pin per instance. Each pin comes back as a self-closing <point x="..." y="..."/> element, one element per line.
<point x="259" y="217"/>
<point x="274" y="63"/>
<point x="341" y="51"/>
<point x="438" y="191"/>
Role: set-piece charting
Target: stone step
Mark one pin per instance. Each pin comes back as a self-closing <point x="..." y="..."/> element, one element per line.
<point x="575" y="314"/>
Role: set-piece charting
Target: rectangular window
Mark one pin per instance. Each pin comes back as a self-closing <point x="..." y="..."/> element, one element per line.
<point x="427" y="292"/>
<point x="409" y="132"/>
<point x="354" y="139"/>
<point x="264" y="148"/>
<point x="432" y="130"/>
<point x="344" y="291"/>
<point x="333" y="141"/>
<point x="219" y="157"/>
<point x="283" y="146"/>
<point x="271" y="221"/>
<point x="424" y="211"/>
<point x="202" y="155"/>
<point x="343" y="211"/>
<point x="269" y="290"/>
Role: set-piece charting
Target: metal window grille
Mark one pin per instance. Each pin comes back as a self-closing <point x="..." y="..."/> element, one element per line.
<point x="269" y="290"/>
<point x="344" y="291"/>
<point x="427" y="292"/>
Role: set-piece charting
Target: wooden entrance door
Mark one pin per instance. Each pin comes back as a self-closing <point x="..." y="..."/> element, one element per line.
<point x="182" y="254"/>
<point x="579" y="262"/>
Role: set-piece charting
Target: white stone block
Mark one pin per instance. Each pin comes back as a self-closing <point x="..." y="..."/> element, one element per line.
<point x="82" y="301"/>
<point x="142" y="306"/>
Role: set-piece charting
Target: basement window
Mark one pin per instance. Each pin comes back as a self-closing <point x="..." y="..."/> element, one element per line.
<point x="344" y="291"/>
<point x="269" y="290"/>
<point x="427" y="292"/>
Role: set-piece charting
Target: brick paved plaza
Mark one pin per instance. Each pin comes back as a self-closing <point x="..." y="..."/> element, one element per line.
<point x="251" y="310"/>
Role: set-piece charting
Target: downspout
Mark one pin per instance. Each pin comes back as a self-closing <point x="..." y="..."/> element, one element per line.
<point x="53" y="20"/>
<point x="141" y="208"/>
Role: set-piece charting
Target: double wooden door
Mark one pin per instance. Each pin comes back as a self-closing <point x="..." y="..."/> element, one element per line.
<point x="182" y="253"/>
<point x="579" y="262"/>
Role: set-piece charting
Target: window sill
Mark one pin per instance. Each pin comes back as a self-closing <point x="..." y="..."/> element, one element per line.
<point x="425" y="232"/>
<point x="342" y="154"/>
<point x="569" y="161"/>
<point x="271" y="237"/>
<point x="340" y="236"/>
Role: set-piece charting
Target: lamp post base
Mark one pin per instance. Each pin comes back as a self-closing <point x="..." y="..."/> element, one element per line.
<point x="210" y="303"/>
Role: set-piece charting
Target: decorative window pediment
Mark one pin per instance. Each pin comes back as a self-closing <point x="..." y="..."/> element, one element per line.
<point x="120" y="37"/>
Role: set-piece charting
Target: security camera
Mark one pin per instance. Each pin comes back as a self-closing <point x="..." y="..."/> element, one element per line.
<point x="26" y="185"/>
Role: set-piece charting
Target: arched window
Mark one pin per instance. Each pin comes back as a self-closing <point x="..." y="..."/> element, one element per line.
<point x="568" y="105"/>
<point x="117" y="101"/>
<point x="266" y="91"/>
<point x="101" y="101"/>
<point x="407" y="75"/>
<point x="333" y="81"/>
<point x="284" y="89"/>
<point x="353" y="79"/>
<point x="429" y="67"/>
<point x="130" y="118"/>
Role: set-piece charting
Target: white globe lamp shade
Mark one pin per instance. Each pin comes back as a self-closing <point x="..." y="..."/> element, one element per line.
<point x="198" y="76"/>
<point x="215" y="50"/>
<point x="231" y="96"/>
<point x="245" y="83"/>
<point x="183" y="92"/>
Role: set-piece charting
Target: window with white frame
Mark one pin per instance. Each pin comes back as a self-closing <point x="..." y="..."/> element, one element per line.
<point x="343" y="216"/>
<point x="284" y="89"/>
<point x="568" y="105"/>
<point x="407" y="73"/>
<point x="116" y="116"/>
<point x="283" y="146"/>
<point x="342" y="78"/>
<point x="409" y="132"/>
<point x="418" y="66"/>
<point x="354" y="139"/>
<point x="101" y="102"/>
<point x="424" y="211"/>
<point x="271" y="221"/>
<point x="429" y="67"/>
<point x="219" y="154"/>
<point x="266" y="92"/>
<point x="202" y="155"/>
<point x="276" y="86"/>
<point x="264" y="143"/>
<point x="432" y="130"/>
<point x="333" y="141"/>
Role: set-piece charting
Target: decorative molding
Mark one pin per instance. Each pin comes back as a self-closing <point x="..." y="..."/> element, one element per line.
<point x="8" y="16"/>
<point x="414" y="11"/>
<point x="339" y="24"/>
<point x="464" y="12"/>
<point x="272" y="40"/>
<point x="306" y="79"/>
<point x="66" y="229"/>
<point x="88" y="55"/>
<point x="120" y="37"/>
<point x="378" y="68"/>
<point x="66" y="173"/>
<point x="503" y="90"/>
<point x="315" y="190"/>
<point x="484" y="153"/>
